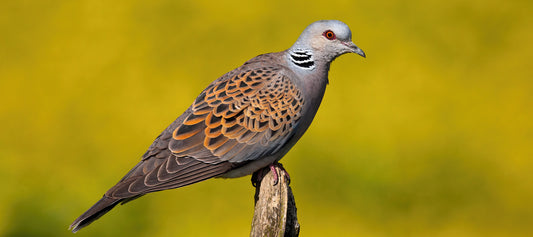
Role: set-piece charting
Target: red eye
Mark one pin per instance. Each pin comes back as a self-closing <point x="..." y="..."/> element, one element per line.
<point x="329" y="35"/>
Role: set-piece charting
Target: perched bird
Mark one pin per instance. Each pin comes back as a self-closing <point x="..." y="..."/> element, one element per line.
<point x="243" y="121"/>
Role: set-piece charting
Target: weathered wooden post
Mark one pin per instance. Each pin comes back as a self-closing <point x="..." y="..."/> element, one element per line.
<point x="275" y="209"/>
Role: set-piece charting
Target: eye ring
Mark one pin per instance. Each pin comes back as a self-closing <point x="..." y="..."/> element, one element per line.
<point x="329" y="35"/>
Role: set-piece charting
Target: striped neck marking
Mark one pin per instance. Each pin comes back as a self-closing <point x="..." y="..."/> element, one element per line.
<point x="302" y="58"/>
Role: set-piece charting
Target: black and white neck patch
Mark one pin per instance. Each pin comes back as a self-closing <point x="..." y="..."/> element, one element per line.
<point x="302" y="58"/>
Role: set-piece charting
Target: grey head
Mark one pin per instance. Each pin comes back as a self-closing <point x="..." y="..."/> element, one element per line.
<point x="322" y="42"/>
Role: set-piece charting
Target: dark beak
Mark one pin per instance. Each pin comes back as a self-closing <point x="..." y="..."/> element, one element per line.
<point x="355" y="49"/>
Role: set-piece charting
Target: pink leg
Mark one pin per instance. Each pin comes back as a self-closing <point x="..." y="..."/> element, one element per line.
<point x="258" y="175"/>
<point x="274" y="172"/>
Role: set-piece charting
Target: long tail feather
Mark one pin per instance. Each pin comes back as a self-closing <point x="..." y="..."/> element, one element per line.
<point x="96" y="211"/>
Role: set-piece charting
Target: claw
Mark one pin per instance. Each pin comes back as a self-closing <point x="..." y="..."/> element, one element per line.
<point x="274" y="173"/>
<point x="258" y="176"/>
<point x="287" y="176"/>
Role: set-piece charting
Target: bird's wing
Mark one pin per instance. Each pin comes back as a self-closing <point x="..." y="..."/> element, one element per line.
<point x="243" y="117"/>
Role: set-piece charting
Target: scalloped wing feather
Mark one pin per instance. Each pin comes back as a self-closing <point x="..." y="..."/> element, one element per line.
<point x="241" y="118"/>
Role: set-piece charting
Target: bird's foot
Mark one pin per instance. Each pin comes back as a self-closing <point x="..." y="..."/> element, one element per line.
<point x="258" y="176"/>
<point x="276" y="175"/>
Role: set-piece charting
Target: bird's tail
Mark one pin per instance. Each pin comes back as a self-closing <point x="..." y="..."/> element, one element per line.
<point x="96" y="211"/>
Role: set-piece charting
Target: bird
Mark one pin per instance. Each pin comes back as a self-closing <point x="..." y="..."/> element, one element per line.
<point x="245" y="120"/>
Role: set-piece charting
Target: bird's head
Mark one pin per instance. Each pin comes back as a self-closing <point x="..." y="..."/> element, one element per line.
<point x="327" y="39"/>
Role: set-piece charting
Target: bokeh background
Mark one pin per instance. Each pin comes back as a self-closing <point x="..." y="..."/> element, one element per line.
<point x="430" y="135"/>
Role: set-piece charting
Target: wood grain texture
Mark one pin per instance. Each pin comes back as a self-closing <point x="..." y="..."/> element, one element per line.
<point x="275" y="208"/>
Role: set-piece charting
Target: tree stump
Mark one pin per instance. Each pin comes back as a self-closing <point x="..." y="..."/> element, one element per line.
<point x="275" y="208"/>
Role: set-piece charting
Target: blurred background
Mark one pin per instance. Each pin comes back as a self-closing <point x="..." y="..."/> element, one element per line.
<point x="430" y="135"/>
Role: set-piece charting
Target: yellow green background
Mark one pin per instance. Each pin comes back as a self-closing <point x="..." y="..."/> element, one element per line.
<point x="430" y="135"/>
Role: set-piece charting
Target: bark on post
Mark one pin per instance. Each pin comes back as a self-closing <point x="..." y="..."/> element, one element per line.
<point x="275" y="209"/>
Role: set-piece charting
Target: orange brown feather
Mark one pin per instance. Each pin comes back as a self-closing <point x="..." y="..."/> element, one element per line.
<point x="254" y="108"/>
